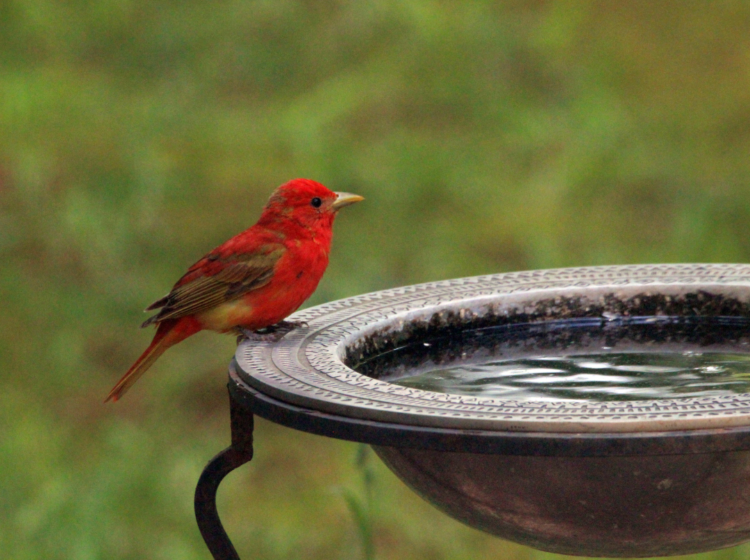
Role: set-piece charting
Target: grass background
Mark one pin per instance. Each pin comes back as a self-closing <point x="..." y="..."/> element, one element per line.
<point x="486" y="137"/>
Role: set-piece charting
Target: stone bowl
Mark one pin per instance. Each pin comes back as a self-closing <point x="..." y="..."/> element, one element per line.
<point x="618" y="478"/>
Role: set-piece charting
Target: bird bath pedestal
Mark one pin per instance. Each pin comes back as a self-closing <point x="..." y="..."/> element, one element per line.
<point x="614" y="478"/>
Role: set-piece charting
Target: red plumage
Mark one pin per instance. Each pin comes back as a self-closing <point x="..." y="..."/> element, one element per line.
<point x="252" y="281"/>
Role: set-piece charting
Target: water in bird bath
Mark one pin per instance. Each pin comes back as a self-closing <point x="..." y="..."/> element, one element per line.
<point x="599" y="359"/>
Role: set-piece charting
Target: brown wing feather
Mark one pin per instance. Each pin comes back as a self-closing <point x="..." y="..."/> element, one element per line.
<point x="240" y="275"/>
<point x="158" y="303"/>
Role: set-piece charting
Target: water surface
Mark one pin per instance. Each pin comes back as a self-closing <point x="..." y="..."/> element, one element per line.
<point x="595" y="359"/>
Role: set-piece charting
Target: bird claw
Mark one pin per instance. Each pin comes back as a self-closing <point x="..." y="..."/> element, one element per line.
<point x="272" y="333"/>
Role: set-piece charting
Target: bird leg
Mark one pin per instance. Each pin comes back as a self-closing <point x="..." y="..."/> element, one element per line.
<point x="272" y="333"/>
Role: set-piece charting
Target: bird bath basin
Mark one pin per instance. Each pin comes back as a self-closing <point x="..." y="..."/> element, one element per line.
<point x="660" y="476"/>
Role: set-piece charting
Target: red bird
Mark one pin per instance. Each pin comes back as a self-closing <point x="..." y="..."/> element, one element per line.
<point x="253" y="281"/>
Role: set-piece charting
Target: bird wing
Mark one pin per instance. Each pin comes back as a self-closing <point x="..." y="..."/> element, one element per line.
<point x="216" y="279"/>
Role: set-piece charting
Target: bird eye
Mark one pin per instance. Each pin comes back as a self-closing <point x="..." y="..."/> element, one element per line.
<point x="316" y="202"/>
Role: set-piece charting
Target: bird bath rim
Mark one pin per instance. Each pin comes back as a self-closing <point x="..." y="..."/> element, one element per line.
<point x="308" y="367"/>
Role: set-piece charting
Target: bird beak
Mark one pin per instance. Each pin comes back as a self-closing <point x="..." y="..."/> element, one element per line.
<point x="345" y="199"/>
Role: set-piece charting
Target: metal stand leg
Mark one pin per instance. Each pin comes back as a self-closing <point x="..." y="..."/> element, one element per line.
<point x="239" y="453"/>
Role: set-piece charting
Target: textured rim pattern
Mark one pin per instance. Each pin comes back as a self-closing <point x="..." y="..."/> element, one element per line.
<point x="306" y="367"/>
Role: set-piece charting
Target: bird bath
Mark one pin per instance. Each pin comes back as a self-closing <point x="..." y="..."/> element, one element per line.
<point x="617" y="477"/>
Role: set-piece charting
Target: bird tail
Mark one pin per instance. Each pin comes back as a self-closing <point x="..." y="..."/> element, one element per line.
<point x="168" y="334"/>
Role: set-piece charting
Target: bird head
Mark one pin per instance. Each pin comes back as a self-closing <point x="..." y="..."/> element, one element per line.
<point x="306" y="202"/>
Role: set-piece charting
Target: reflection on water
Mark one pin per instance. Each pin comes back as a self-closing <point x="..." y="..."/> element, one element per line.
<point x="630" y="358"/>
<point x="599" y="377"/>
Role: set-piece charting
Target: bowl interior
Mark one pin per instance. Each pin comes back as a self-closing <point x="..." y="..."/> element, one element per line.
<point x="316" y="366"/>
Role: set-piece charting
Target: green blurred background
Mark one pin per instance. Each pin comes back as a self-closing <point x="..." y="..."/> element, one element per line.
<point x="486" y="137"/>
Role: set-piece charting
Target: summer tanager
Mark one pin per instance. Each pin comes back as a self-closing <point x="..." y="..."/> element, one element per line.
<point x="254" y="280"/>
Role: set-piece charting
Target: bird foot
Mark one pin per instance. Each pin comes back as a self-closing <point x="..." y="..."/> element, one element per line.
<point x="272" y="333"/>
